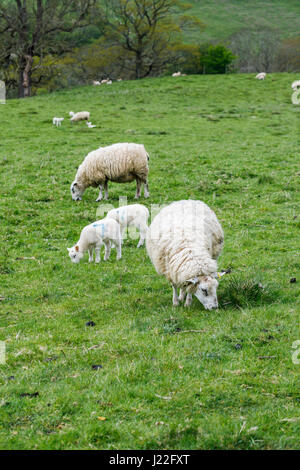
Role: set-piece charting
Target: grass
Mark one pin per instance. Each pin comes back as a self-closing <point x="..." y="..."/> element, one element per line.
<point x="222" y="18"/>
<point x="171" y="378"/>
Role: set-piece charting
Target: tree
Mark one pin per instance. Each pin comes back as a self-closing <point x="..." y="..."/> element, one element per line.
<point x="30" y="29"/>
<point x="216" y="59"/>
<point x="146" y="30"/>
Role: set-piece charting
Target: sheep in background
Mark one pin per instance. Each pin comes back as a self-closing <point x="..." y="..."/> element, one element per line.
<point x="184" y="242"/>
<point x="105" y="80"/>
<point x="81" y="116"/>
<point x="95" y="82"/>
<point x="120" y="163"/>
<point x="296" y="85"/>
<point x="134" y="215"/>
<point x="109" y="82"/>
<point x="176" y="74"/>
<point x="261" y="76"/>
<point x="93" y="236"/>
<point x="57" y="121"/>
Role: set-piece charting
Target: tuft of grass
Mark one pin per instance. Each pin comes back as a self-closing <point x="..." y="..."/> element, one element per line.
<point x="245" y="291"/>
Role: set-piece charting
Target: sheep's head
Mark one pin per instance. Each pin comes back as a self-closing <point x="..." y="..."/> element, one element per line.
<point x="75" y="254"/>
<point x="205" y="289"/>
<point x="76" y="191"/>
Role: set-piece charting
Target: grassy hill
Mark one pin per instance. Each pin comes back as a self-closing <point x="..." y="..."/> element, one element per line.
<point x="226" y="17"/>
<point x="171" y="378"/>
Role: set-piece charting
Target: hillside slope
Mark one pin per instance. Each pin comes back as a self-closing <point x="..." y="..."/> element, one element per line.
<point x="225" y="17"/>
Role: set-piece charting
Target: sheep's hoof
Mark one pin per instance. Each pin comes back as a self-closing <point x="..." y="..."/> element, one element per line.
<point x="99" y="199"/>
<point x="97" y="261"/>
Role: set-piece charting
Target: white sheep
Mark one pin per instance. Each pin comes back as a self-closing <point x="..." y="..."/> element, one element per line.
<point x="134" y="215"/>
<point x="261" y="76"/>
<point x="93" y="236"/>
<point x="176" y="74"/>
<point x="183" y="243"/>
<point x="121" y="163"/>
<point x="90" y="125"/>
<point x="296" y="84"/>
<point x="105" y="80"/>
<point x="109" y="82"/>
<point x="81" y="116"/>
<point x="57" y="121"/>
<point x="96" y="82"/>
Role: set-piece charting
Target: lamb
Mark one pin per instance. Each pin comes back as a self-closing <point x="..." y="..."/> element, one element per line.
<point x="134" y="215"/>
<point x="121" y="163"/>
<point x="184" y="242"/>
<point x="57" y="121"/>
<point x="261" y="76"/>
<point x="93" y="236"/>
<point x="90" y="125"/>
<point x="81" y="116"/>
<point x="296" y="84"/>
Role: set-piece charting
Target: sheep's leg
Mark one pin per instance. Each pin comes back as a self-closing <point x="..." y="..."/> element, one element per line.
<point x="123" y="230"/>
<point x="97" y="251"/>
<point x="175" y="296"/>
<point x="118" y="245"/>
<point x="138" y="188"/>
<point x="106" y="190"/>
<point x="91" y="255"/>
<point x="188" y="301"/>
<point x="143" y="232"/>
<point x="107" y="250"/>
<point x="146" y="189"/>
<point x="182" y="294"/>
<point x="99" y="198"/>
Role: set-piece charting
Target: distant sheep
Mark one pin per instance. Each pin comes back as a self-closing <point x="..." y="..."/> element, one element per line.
<point x="95" y="82"/>
<point x="261" y="76"/>
<point x="120" y="163"/>
<point x="81" y="116"/>
<point x="57" y="121"/>
<point x="296" y="85"/>
<point x="105" y="80"/>
<point x="90" y="125"/>
<point x="184" y="242"/>
<point x="134" y="215"/>
<point x="109" y="82"/>
<point x="93" y="236"/>
<point x="176" y="74"/>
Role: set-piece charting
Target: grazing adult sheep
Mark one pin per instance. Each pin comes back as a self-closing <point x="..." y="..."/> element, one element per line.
<point x="296" y="84"/>
<point x="93" y="236"/>
<point x="120" y="163"/>
<point x="261" y="76"/>
<point x="81" y="116"/>
<point x="176" y="74"/>
<point x="134" y="215"/>
<point x="184" y="242"/>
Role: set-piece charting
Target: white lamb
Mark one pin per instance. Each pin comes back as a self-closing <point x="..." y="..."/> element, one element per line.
<point x="93" y="236"/>
<point x="121" y="163"/>
<point x="261" y="76"/>
<point x="134" y="215"/>
<point x="81" y="116"/>
<point x="296" y="84"/>
<point x="184" y="242"/>
<point x="57" y="121"/>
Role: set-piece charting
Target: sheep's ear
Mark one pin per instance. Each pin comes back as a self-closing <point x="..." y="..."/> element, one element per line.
<point x="77" y="248"/>
<point x="69" y="249"/>
<point x="193" y="280"/>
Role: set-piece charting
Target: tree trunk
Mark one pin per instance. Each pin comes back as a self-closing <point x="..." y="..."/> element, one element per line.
<point x="25" y="69"/>
<point x="138" y="65"/>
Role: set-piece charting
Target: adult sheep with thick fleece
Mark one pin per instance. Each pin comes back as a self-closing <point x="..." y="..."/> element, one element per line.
<point x="120" y="163"/>
<point x="93" y="236"/>
<point x="134" y="215"/>
<point x="184" y="242"/>
<point x="81" y="116"/>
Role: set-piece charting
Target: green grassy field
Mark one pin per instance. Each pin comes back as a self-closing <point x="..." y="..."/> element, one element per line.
<point x="230" y="141"/>
<point x="222" y="18"/>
